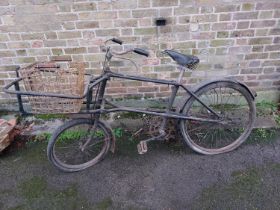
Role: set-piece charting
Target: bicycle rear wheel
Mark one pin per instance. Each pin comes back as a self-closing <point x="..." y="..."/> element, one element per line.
<point x="236" y="109"/>
<point x="67" y="150"/>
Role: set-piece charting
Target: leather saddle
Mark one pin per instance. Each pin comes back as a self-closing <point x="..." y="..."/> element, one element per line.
<point x="182" y="59"/>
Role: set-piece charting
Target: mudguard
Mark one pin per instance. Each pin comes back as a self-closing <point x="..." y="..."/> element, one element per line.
<point x="183" y="102"/>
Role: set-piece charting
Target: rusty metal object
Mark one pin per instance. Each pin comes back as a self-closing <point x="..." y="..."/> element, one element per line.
<point x="153" y="124"/>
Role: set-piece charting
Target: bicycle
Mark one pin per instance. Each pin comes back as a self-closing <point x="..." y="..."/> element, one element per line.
<point x="215" y="118"/>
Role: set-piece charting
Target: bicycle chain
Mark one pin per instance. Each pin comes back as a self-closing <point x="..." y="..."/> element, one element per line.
<point x="152" y="125"/>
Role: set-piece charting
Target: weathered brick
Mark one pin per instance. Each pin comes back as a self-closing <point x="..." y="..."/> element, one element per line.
<point x="274" y="31"/>
<point x="225" y="17"/>
<point x="272" y="47"/>
<point x="163" y="68"/>
<point x="87" y="24"/>
<point x="227" y="8"/>
<point x="144" y="3"/>
<point x="116" y="90"/>
<point x="221" y="42"/>
<point x="256" y="56"/>
<point x="37" y="44"/>
<point x="145" y="22"/>
<point x="7" y="54"/>
<point x="106" y="24"/>
<point x="68" y="25"/>
<point x="274" y="55"/>
<point x="265" y="14"/>
<point x="14" y="45"/>
<point x="205" y="18"/>
<point x="276" y="14"/>
<point x="126" y="23"/>
<point x="3" y="46"/>
<point x="252" y="83"/>
<point x="271" y="63"/>
<point x="251" y="71"/>
<point x="4" y="38"/>
<point x="223" y="26"/>
<point x="267" y="5"/>
<point x="35" y="52"/>
<point x="57" y="51"/>
<point x="262" y="23"/>
<point x="90" y="6"/>
<point x="21" y="52"/>
<point x="36" y="9"/>
<point x="254" y="64"/>
<point x="54" y="43"/>
<point x="245" y="15"/>
<point x="130" y="5"/>
<point x="107" y="32"/>
<point x="61" y="58"/>
<point x="104" y="5"/>
<point x="126" y="32"/>
<point x="8" y="67"/>
<point x="203" y="35"/>
<point x="269" y="76"/>
<point x="260" y="41"/>
<point x="145" y="31"/>
<point x="69" y="35"/>
<point x="104" y="15"/>
<point x="276" y="40"/>
<point x="243" y="25"/>
<point x="184" y="45"/>
<point x="247" y="6"/>
<point x="257" y="48"/>
<point x="148" y="89"/>
<point x="240" y="50"/>
<point x="78" y="50"/>
<point x="51" y="35"/>
<point x="164" y="3"/>
<point x="24" y="60"/>
<point x="32" y="36"/>
<point x="186" y="10"/>
<point x="165" y="12"/>
<point x="64" y="8"/>
<point x="125" y="14"/>
<point x="242" y="33"/>
<point x="144" y="13"/>
<point x="67" y="17"/>
<point x="14" y="37"/>
<point x="261" y="32"/>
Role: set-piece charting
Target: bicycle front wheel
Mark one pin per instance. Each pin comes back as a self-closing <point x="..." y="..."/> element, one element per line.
<point x="78" y="144"/>
<point x="236" y="109"/>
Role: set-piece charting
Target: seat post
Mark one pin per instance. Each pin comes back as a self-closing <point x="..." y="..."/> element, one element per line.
<point x="182" y="70"/>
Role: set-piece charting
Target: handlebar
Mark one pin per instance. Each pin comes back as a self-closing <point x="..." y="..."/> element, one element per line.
<point x="135" y="50"/>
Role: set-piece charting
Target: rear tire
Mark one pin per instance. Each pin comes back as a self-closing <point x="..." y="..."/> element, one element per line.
<point x="64" y="148"/>
<point x="236" y="107"/>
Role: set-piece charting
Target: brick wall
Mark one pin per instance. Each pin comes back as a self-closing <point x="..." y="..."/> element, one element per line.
<point x="238" y="38"/>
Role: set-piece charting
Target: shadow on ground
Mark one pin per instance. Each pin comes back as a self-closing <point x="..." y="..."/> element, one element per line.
<point x="169" y="176"/>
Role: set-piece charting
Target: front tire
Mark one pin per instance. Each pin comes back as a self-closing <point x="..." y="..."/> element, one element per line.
<point x="65" y="150"/>
<point x="236" y="108"/>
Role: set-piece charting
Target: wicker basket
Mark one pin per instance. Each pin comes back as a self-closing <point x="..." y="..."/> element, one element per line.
<point x="49" y="77"/>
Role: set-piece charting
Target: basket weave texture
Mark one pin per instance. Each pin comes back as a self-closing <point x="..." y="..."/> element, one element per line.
<point x="50" y="77"/>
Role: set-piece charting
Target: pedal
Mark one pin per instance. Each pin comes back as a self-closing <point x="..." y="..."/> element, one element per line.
<point x="142" y="147"/>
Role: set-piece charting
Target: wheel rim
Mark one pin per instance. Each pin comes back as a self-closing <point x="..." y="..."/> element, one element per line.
<point x="67" y="150"/>
<point x="235" y="123"/>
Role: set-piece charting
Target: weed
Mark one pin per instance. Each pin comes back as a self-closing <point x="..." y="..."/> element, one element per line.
<point x="262" y="135"/>
<point x="50" y="116"/>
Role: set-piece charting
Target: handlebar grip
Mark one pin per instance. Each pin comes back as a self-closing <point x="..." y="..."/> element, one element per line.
<point x="141" y="52"/>
<point x="117" y="41"/>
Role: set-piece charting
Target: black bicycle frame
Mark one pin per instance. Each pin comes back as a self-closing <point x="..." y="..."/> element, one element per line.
<point x="102" y="81"/>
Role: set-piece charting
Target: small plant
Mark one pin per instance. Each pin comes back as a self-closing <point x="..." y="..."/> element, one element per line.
<point x="118" y="132"/>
